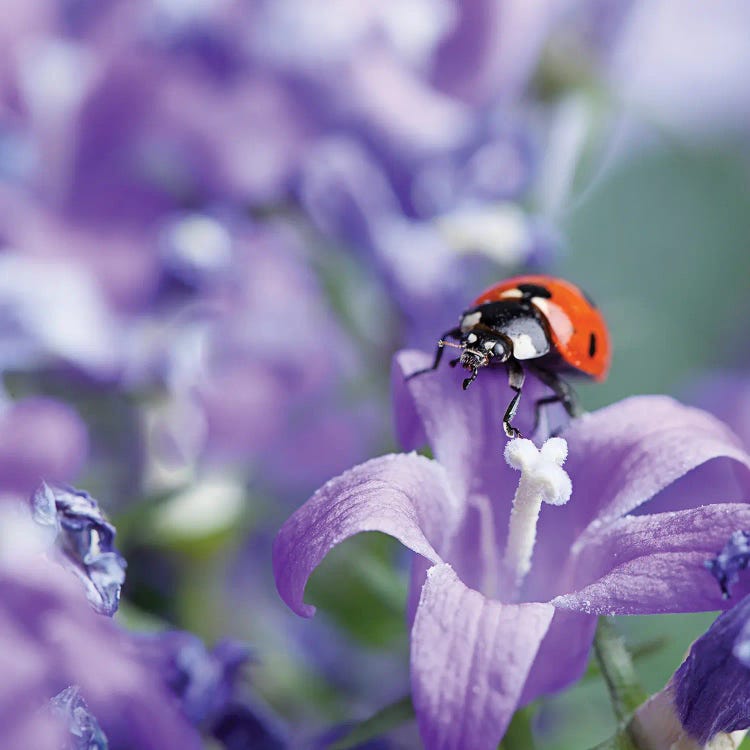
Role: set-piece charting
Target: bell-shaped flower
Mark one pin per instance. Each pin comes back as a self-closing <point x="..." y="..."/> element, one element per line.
<point x="657" y="488"/>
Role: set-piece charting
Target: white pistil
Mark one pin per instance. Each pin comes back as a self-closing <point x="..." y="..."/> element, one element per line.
<point x="542" y="480"/>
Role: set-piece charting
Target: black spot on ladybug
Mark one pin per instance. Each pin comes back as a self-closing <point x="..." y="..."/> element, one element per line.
<point x="534" y="290"/>
<point x="592" y="344"/>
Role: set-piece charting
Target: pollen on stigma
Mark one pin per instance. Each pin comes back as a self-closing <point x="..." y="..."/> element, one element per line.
<point x="542" y="480"/>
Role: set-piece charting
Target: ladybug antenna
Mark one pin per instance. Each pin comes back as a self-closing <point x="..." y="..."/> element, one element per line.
<point x="443" y="343"/>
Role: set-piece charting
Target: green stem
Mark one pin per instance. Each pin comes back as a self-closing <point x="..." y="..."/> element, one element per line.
<point x="621" y="741"/>
<point x="383" y="721"/>
<point x="625" y="691"/>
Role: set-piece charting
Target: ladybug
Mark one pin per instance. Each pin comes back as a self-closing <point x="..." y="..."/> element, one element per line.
<point x="546" y="323"/>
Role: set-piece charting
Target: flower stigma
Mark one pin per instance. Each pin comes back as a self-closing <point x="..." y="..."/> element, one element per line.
<point x="542" y="480"/>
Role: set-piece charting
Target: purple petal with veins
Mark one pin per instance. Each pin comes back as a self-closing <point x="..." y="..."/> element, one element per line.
<point x="470" y="657"/>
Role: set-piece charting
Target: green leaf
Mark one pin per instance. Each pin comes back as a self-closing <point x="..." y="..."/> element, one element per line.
<point x="383" y="721"/>
<point x="360" y="588"/>
<point x="519" y="735"/>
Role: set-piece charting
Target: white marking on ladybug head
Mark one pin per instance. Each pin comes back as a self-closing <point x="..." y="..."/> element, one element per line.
<point x="511" y="294"/>
<point x="470" y="320"/>
<point x="471" y="338"/>
<point x="489" y="345"/>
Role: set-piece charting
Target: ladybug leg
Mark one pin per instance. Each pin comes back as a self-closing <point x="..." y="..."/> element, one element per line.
<point x="516" y="377"/>
<point x="454" y="333"/>
<point x="563" y="393"/>
<point x="468" y="381"/>
<point x="540" y="402"/>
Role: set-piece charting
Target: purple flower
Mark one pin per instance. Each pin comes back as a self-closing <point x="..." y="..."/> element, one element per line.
<point x="709" y="695"/>
<point x="417" y="228"/>
<point x="52" y="311"/>
<point x="659" y="65"/>
<point x="710" y="692"/>
<point x="51" y="639"/>
<point x="208" y="687"/>
<point x="482" y="645"/>
<point x="84" y="729"/>
<point x="86" y="541"/>
<point x="712" y="686"/>
<point x="40" y="438"/>
<point x="727" y="395"/>
<point x="241" y="387"/>
<point x="733" y="558"/>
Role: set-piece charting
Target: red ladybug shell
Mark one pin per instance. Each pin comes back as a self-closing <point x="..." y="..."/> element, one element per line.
<point x="577" y="329"/>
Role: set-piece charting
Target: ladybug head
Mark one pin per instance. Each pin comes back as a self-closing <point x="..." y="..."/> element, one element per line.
<point x="479" y="348"/>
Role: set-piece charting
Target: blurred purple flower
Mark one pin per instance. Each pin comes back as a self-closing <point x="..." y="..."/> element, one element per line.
<point x="40" y="438"/>
<point x="51" y="639"/>
<point x="734" y="557"/>
<point x="610" y="553"/>
<point x="410" y="70"/>
<point x="86" y="540"/>
<point x="658" y="65"/>
<point x="207" y="685"/>
<point x="727" y="395"/>
<point x="258" y="347"/>
<point x="418" y="226"/>
<point x="85" y="732"/>
<point x="324" y="741"/>
<point x="52" y="312"/>
<point x="133" y="113"/>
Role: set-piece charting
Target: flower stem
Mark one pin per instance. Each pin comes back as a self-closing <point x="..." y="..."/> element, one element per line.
<point x="385" y="720"/>
<point x="625" y="691"/>
<point x="621" y="741"/>
<point x="519" y="736"/>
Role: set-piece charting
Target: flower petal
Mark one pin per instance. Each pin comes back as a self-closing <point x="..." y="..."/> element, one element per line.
<point x="711" y="688"/>
<point x="404" y="495"/>
<point x="620" y="457"/>
<point x="563" y="654"/>
<point x="86" y="542"/>
<point x="469" y="659"/>
<point x="655" y="563"/>
<point x="725" y="394"/>
<point x="472" y="551"/>
<point x="637" y="447"/>
<point x="40" y="438"/>
<point x="463" y="428"/>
